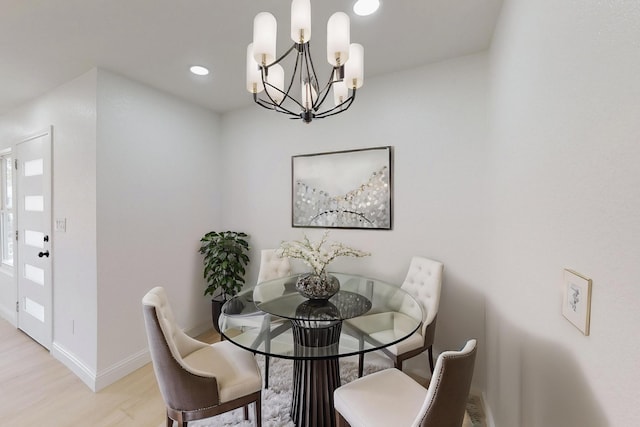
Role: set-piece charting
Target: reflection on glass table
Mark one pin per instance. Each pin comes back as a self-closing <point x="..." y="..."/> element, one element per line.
<point x="315" y="333"/>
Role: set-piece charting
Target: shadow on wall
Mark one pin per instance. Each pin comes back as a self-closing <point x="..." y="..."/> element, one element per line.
<point x="461" y="317"/>
<point x="533" y="382"/>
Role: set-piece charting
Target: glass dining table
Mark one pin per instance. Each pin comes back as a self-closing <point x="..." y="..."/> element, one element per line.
<point x="273" y="319"/>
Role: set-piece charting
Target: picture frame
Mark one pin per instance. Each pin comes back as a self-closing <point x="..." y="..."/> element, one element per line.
<point x="576" y="300"/>
<point x="349" y="189"/>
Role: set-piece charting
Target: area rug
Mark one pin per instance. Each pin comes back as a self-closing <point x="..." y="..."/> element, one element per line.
<point x="276" y="400"/>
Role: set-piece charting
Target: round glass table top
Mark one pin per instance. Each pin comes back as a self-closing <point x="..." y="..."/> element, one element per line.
<point x="365" y="315"/>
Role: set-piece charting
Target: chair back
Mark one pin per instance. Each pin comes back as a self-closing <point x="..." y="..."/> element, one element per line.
<point x="180" y="389"/>
<point x="272" y="265"/>
<point x="424" y="282"/>
<point x="448" y="390"/>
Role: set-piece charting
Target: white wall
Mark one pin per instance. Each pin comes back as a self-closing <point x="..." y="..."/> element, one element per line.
<point x="436" y="119"/>
<point x="136" y="174"/>
<point x="71" y="110"/>
<point x="564" y="158"/>
<point x="158" y="192"/>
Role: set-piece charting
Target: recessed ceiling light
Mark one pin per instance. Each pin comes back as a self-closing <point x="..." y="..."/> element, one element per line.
<point x="366" y="7"/>
<point x="199" y="70"/>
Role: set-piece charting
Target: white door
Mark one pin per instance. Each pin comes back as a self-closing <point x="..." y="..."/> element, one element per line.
<point x="33" y="186"/>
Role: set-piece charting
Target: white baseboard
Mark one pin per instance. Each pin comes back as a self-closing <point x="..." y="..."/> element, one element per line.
<point x="122" y="369"/>
<point x="98" y="381"/>
<point x="75" y="365"/>
<point x="9" y="316"/>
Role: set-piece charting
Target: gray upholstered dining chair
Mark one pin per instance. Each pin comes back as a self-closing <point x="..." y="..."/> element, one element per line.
<point x="198" y="380"/>
<point x="392" y="398"/>
<point x="424" y="282"/>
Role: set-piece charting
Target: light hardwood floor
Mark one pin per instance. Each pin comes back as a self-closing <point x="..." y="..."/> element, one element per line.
<point x="37" y="390"/>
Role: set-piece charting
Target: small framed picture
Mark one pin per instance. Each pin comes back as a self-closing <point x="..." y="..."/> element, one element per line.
<point x="576" y="300"/>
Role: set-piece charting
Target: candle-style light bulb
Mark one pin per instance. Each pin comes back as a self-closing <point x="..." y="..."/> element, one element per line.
<point x="265" y="28"/>
<point x="338" y="39"/>
<point x="300" y="21"/>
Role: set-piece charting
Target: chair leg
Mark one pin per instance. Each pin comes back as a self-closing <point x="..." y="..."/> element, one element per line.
<point x="360" y="364"/>
<point x="169" y="421"/>
<point x="246" y="412"/>
<point x="266" y="372"/>
<point x="258" y="412"/>
<point x="340" y="421"/>
<point x="398" y="364"/>
<point x="431" y="358"/>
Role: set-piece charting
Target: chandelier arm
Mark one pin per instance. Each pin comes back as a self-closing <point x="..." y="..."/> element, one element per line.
<point x="322" y="95"/>
<point x="285" y="94"/>
<point x="276" y="106"/>
<point x="332" y="111"/>
<point x="311" y="75"/>
<point x="284" y="55"/>
<point x="310" y="62"/>
<point x="293" y="77"/>
<point x="264" y="104"/>
<point x="272" y="105"/>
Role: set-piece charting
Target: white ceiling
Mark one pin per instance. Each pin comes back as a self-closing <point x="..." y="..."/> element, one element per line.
<point x="45" y="43"/>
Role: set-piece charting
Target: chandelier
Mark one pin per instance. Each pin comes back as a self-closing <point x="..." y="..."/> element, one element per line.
<point x="266" y="75"/>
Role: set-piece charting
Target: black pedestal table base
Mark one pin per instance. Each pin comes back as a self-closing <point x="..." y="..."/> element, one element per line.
<point x="314" y="380"/>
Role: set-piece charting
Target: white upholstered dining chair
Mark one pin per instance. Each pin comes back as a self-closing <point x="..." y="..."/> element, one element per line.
<point x="198" y="380"/>
<point x="392" y="398"/>
<point x="272" y="266"/>
<point x="424" y="282"/>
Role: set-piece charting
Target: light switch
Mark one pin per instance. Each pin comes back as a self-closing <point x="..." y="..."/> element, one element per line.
<point x="61" y="224"/>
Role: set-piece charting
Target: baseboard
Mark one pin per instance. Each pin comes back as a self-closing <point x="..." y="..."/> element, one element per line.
<point x="98" y="381"/>
<point x="136" y="361"/>
<point x="75" y="365"/>
<point x="122" y="369"/>
<point x="9" y="316"/>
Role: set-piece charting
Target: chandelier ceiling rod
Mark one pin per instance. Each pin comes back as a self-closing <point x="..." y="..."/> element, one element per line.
<point x="264" y="72"/>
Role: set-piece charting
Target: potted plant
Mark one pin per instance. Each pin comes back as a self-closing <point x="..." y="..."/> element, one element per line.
<point x="225" y="258"/>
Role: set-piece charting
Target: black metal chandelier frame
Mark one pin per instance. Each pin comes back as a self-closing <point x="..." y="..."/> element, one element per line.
<point x="305" y="71"/>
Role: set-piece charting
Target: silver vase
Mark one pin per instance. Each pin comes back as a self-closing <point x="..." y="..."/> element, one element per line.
<point x="317" y="286"/>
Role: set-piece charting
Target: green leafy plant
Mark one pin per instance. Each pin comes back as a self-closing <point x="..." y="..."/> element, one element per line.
<point x="225" y="258"/>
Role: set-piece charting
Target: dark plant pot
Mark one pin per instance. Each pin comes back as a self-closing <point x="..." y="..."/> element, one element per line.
<point x="216" y="309"/>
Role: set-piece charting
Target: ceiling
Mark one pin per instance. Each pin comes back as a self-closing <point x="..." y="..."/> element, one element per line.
<point x="45" y="43"/>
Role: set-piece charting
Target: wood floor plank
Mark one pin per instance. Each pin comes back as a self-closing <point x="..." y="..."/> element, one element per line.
<point x="38" y="390"/>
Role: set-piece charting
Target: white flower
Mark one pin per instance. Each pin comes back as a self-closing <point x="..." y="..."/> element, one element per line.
<point x="316" y="255"/>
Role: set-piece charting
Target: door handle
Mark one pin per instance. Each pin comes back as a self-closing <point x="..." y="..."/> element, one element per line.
<point x="45" y="253"/>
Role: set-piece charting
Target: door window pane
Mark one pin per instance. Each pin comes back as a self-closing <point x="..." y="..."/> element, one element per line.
<point x="7" y="237"/>
<point x="34" y="238"/>
<point x="34" y="203"/>
<point x="33" y="167"/>
<point x="6" y="210"/>
<point x="34" y="309"/>
<point x="35" y="274"/>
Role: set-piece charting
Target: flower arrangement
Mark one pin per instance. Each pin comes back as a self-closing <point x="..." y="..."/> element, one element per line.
<point x="315" y="254"/>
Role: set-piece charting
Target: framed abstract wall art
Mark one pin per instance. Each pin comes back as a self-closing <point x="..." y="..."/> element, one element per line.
<point x="342" y="189"/>
<point x="576" y="300"/>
